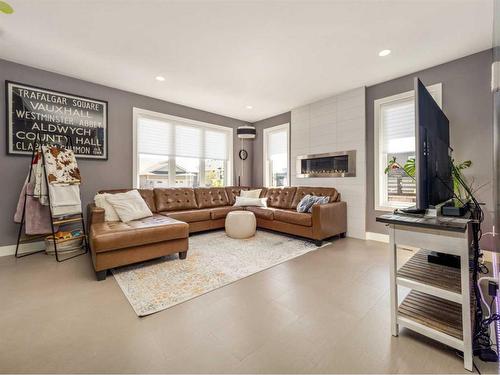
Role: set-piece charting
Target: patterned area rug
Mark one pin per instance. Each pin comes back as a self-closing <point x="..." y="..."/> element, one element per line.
<point x="213" y="260"/>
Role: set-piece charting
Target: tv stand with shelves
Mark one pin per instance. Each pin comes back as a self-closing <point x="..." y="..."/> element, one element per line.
<point x="439" y="303"/>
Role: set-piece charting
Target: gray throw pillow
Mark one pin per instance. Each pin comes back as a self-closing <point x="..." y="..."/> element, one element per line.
<point x="306" y="203"/>
<point x="318" y="200"/>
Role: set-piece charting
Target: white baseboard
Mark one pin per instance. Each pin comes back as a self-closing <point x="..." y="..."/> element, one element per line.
<point x="372" y="236"/>
<point x="24" y="248"/>
<point x="361" y="236"/>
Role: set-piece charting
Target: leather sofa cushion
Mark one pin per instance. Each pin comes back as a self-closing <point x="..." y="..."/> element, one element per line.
<point x="263" y="192"/>
<point x="302" y="191"/>
<point x="149" y="198"/>
<point x="262" y="213"/>
<point x="146" y="194"/>
<point x="293" y="217"/>
<point x="211" y="197"/>
<point x="175" y="199"/>
<point x="189" y="216"/>
<point x="113" y="235"/>
<point x="280" y="197"/>
<point x="221" y="212"/>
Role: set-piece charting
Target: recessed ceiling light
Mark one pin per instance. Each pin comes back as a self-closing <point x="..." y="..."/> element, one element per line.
<point x="160" y="78"/>
<point x="384" y="52"/>
<point x="249" y="107"/>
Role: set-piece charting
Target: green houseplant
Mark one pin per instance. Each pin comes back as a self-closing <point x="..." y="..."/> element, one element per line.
<point x="6" y="8"/>
<point x="457" y="172"/>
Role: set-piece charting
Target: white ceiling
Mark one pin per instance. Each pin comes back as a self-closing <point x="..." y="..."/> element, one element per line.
<point x="222" y="56"/>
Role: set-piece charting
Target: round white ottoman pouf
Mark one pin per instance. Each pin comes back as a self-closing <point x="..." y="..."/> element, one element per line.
<point x="240" y="224"/>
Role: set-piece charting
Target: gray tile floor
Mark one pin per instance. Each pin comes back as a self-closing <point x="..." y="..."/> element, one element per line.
<point x="324" y="312"/>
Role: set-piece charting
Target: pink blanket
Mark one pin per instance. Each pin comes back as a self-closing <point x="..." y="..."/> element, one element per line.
<point x="37" y="216"/>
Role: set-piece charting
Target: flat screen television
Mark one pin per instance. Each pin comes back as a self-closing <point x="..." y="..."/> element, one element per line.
<point x="433" y="168"/>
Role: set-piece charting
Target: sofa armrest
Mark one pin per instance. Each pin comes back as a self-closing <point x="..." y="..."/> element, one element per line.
<point x="94" y="214"/>
<point x="329" y="219"/>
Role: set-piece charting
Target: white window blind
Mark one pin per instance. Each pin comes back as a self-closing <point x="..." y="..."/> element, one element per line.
<point x="398" y="127"/>
<point x="277" y="144"/>
<point x="154" y="137"/>
<point x="188" y="141"/>
<point x="175" y="138"/>
<point x="216" y="145"/>
<point x="276" y="158"/>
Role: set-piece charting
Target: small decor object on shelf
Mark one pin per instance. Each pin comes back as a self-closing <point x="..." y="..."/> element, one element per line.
<point x="83" y="120"/>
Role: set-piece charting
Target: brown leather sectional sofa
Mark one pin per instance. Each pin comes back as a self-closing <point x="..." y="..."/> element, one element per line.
<point x="180" y="211"/>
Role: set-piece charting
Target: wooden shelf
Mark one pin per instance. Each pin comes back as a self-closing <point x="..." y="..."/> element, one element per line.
<point x="65" y="221"/>
<point x="440" y="281"/>
<point x="433" y="312"/>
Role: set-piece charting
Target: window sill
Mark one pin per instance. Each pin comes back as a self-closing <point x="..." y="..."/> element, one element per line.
<point x="388" y="209"/>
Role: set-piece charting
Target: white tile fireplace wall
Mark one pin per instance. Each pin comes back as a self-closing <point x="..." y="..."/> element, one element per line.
<point x="334" y="124"/>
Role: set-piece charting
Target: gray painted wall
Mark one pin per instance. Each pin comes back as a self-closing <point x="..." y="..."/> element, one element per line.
<point x="258" y="144"/>
<point x="468" y="104"/>
<point x="114" y="173"/>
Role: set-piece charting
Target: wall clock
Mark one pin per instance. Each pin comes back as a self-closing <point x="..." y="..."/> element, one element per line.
<point x="243" y="154"/>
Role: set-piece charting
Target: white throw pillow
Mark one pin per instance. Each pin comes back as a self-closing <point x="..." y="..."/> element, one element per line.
<point x="250" y="193"/>
<point x="256" y="202"/>
<point x="109" y="212"/>
<point x="129" y="206"/>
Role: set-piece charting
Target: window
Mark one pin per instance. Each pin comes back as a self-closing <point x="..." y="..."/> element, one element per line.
<point x="176" y="152"/>
<point x="276" y="156"/>
<point x="395" y="137"/>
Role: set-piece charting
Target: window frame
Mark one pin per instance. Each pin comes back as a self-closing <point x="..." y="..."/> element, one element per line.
<point x="265" y="165"/>
<point x="380" y="177"/>
<point x="228" y="164"/>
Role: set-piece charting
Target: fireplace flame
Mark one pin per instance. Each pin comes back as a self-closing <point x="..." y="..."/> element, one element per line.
<point x="324" y="171"/>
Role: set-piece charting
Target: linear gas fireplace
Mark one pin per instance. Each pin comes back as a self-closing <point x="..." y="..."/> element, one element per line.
<point x="332" y="164"/>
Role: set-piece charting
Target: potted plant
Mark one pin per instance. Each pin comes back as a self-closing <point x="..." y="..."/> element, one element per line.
<point x="457" y="172"/>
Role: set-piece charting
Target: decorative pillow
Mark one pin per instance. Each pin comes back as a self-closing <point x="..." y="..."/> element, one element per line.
<point x="250" y="193"/>
<point x="129" y="206"/>
<point x="256" y="202"/>
<point x="109" y="212"/>
<point x="318" y="200"/>
<point x="306" y="203"/>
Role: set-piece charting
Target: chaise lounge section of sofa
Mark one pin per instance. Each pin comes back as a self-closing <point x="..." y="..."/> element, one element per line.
<point x="180" y="211"/>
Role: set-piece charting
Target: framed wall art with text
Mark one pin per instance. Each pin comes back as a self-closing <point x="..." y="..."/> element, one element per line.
<point x="34" y="113"/>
